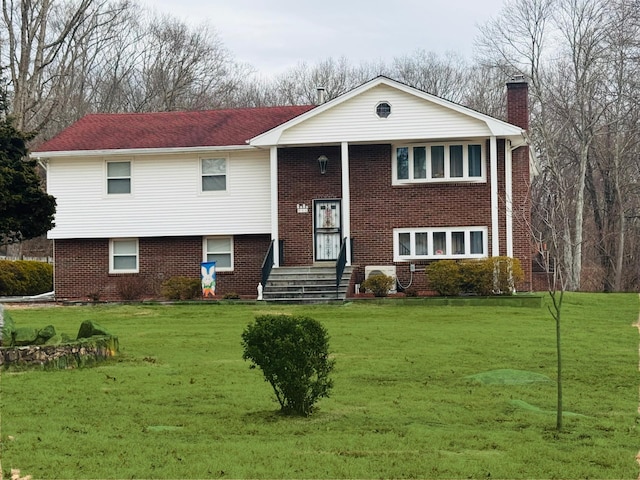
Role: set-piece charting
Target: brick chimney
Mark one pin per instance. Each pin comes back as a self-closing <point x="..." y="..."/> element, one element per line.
<point x="518" y="102"/>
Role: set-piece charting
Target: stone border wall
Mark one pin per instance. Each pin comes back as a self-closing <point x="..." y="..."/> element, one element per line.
<point x="79" y="353"/>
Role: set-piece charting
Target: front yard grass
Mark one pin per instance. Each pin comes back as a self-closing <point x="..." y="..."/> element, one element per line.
<point x="179" y="401"/>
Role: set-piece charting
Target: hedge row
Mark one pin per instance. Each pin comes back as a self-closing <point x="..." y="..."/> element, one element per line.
<point x="488" y="276"/>
<point x="23" y="277"/>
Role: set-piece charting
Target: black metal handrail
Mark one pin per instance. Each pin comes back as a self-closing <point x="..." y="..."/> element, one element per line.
<point x="341" y="263"/>
<point x="267" y="264"/>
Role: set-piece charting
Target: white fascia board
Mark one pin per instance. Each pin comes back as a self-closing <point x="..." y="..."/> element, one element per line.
<point x="136" y="151"/>
<point x="497" y="127"/>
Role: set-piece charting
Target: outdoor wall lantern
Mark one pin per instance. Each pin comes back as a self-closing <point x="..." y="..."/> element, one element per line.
<point x="322" y="161"/>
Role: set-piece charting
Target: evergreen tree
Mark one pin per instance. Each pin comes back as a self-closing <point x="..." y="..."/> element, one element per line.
<point x="26" y="211"/>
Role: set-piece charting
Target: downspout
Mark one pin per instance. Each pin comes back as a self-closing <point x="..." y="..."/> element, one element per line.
<point x="346" y="199"/>
<point x="273" y="166"/>
<point x="43" y="162"/>
<point x="508" y="191"/>
<point x="495" y="208"/>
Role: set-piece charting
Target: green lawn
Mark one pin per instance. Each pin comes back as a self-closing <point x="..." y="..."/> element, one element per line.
<point x="179" y="401"/>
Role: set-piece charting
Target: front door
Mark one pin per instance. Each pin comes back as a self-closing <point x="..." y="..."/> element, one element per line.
<point x="327" y="229"/>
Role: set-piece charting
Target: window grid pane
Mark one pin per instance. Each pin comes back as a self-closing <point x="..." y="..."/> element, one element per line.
<point x="214" y="183"/>
<point x="437" y="161"/>
<point x="402" y="155"/>
<point x="118" y="169"/>
<point x="219" y="245"/>
<point x="120" y="185"/>
<point x="125" y="262"/>
<point x="222" y="260"/>
<point x="214" y="166"/>
<point x="422" y="243"/>
<point x="124" y="247"/>
<point x="455" y="162"/>
<point x="419" y="162"/>
<point x="477" y="242"/>
<point x="404" y="240"/>
<point x="439" y="243"/>
<point x="457" y="243"/>
<point x="475" y="160"/>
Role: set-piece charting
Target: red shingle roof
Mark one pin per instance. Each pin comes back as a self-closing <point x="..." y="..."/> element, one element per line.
<point x="210" y="128"/>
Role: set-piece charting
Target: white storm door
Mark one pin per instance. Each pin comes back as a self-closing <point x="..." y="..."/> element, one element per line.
<point x="327" y="229"/>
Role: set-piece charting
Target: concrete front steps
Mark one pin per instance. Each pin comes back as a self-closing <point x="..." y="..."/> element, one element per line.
<point x="306" y="285"/>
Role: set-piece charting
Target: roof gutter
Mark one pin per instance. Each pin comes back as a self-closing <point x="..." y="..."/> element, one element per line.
<point x="137" y="151"/>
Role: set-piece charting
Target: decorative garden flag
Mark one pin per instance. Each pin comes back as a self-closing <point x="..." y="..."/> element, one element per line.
<point x="208" y="278"/>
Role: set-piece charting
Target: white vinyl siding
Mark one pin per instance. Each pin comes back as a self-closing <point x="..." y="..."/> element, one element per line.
<point x="439" y="243"/>
<point x="123" y="255"/>
<point x="356" y="120"/>
<point x="167" y="199"/>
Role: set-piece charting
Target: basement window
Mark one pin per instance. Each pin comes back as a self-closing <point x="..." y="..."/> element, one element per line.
<point x="439" y="243"/>
<point x="219" y="250"/>
<point x="123" y="255"/>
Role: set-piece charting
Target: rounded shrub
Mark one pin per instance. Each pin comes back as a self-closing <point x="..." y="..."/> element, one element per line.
<point x="477" y="276"/>
<point x="379" y="284"/>
<point x="181" y="288"/>
<point x="444" y="277"/>
<point x="292" y="352"/>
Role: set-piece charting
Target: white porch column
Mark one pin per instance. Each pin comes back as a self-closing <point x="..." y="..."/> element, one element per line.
<point x="273" y="164"/>
<point x="495" y="208"/>
<point x="508" y="188"/>
<point x="346" y="199"/>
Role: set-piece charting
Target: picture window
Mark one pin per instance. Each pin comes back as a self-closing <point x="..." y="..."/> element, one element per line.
<point x="459" y="162"/>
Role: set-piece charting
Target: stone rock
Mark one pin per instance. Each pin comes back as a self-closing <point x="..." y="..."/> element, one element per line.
<point x="25" y="336"/>
<point x="45" y="334"/>
<point x="89" y="328"/>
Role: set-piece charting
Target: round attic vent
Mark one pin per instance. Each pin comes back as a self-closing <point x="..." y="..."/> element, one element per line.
<point x="383" y="110"/>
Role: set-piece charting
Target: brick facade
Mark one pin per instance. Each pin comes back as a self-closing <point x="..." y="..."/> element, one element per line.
<point x="82" y="267"/>
<point x="377" y="207"/>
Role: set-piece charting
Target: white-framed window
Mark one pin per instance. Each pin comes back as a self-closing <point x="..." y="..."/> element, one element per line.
<point x="219" y="250"/>
<point x="439" y="162"/>
<point x="439" y="243"/>
<point x="213" y="172"/>
<point x="123" y="255"/>
<point x="119" y="177"/>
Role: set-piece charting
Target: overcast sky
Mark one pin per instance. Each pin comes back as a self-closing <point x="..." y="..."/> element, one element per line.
<point x="273" y="35"/>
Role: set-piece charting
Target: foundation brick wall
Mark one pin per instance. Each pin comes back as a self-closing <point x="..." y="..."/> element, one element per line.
<point x="81" y="269"/>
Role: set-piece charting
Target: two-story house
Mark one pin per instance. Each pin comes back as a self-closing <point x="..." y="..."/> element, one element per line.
<point x="386" y="174"/>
